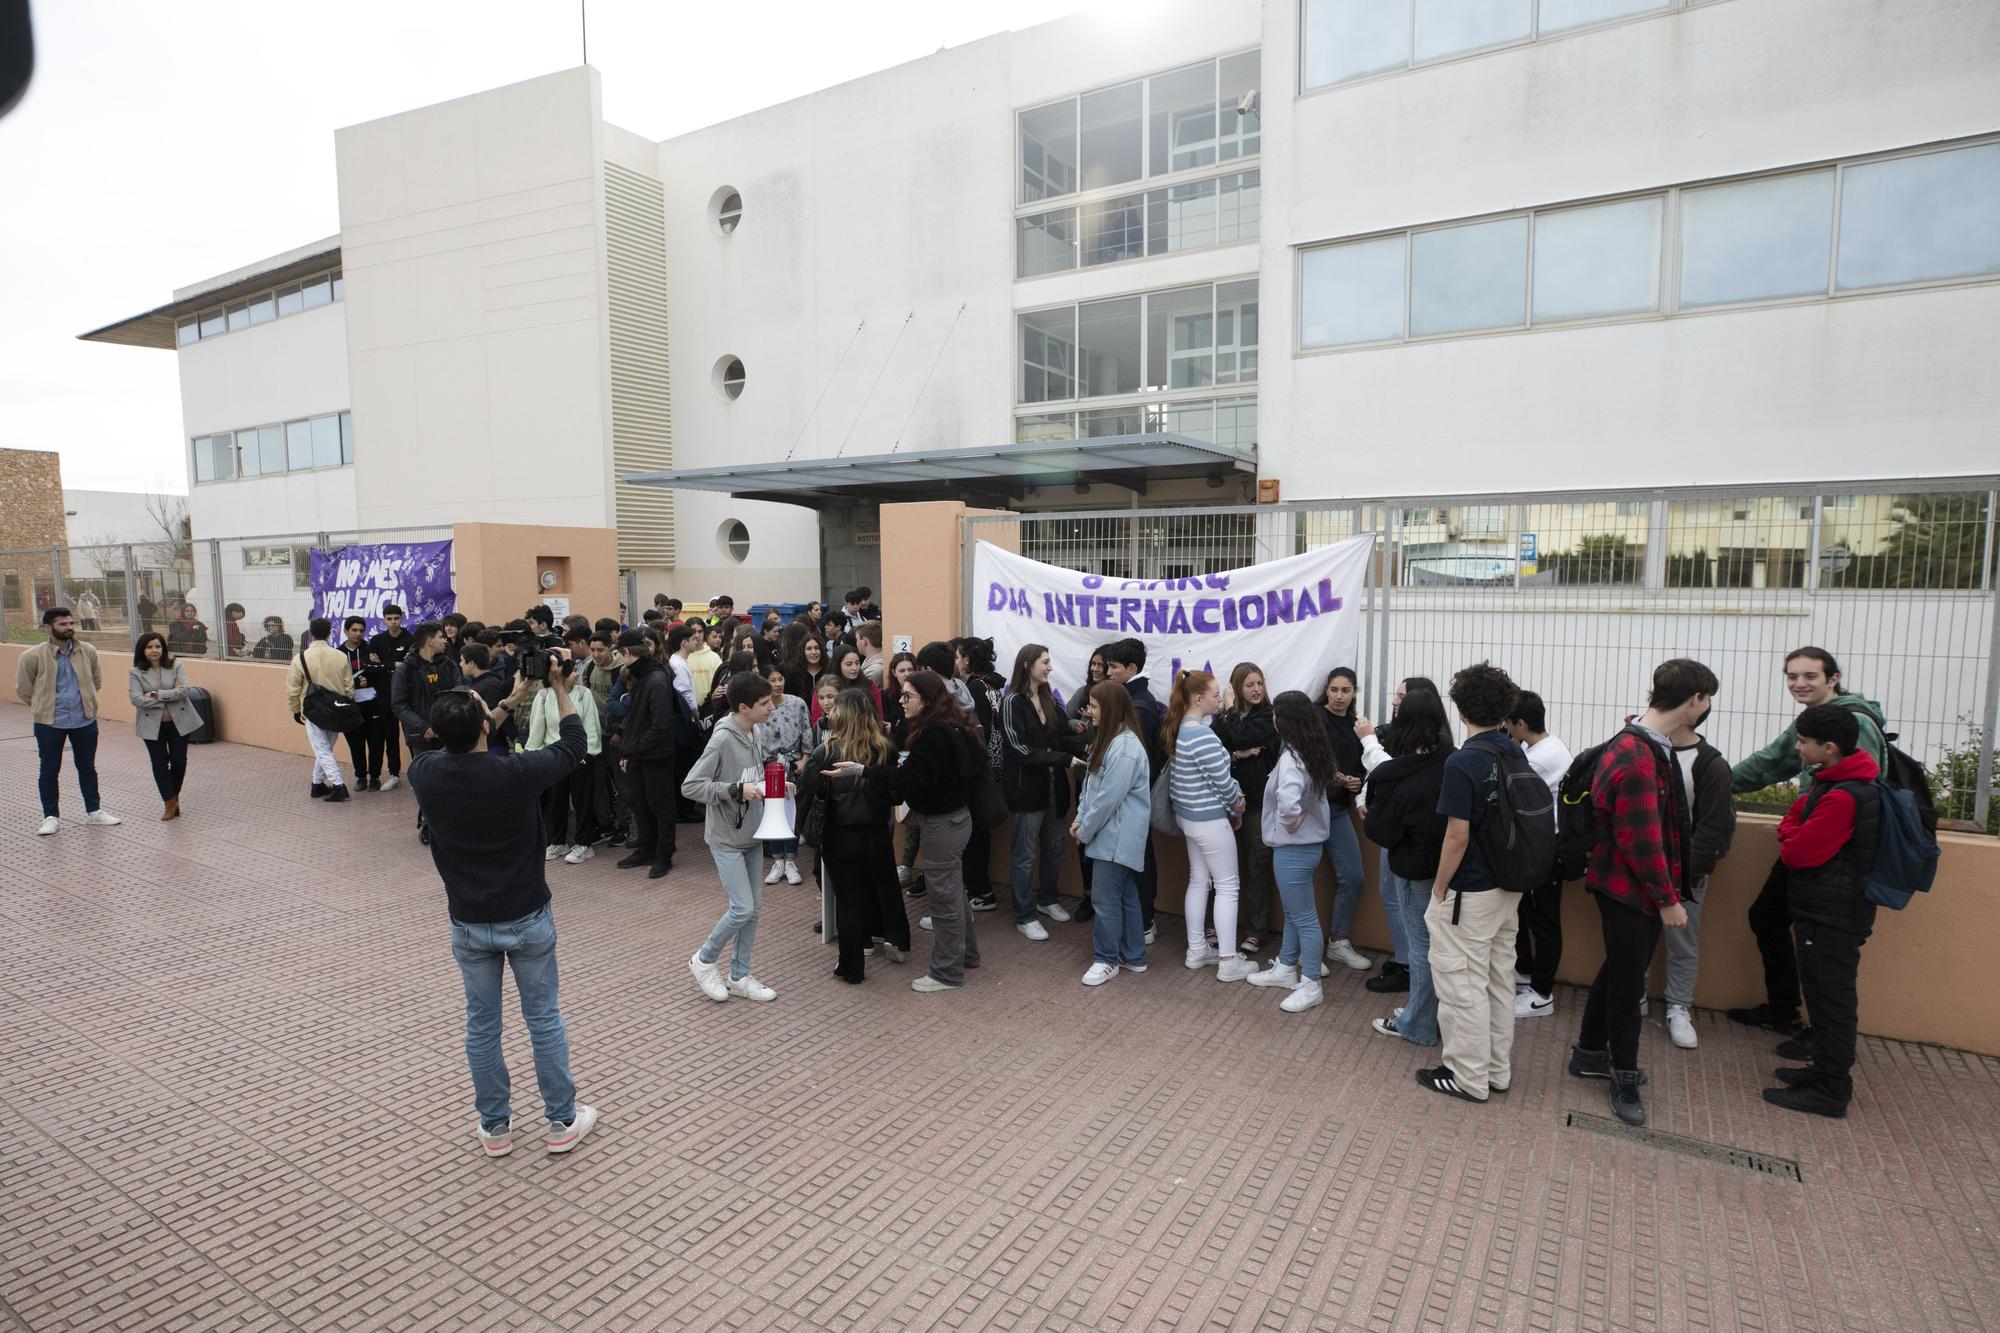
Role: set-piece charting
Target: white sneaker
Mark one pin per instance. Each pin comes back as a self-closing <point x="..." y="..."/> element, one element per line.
<point x="1206" y="956"/>
<point x="49" y="825"/>
<point x="1034" y="930"/>
<point x="930" y="985"/>
<point x="564" y="1138"/>
<point x="1340" y="951"/>
<point x="555" y="851"/>
<point x="1054" y="911"/>
<point x="1533" y="1004"/>
<point x="1277" y="974"/>
<point x="709" y="975"/>
<point x="1522" y="983"/>
<point x="1303" y="997"/>
<point x="751" y="989"/>
<point x="580" y="853"/>
<point x="1237" y="968"/>
<point x="102" y="818"/>
<point x="792" y="871"/>
<point x="1680" y="1027"/>
<point x="1100" y="973"/>
<point x="392" y="782"/>
<point x="777" y="870"/>
<point x="1152" y="932"/>
<point x="923" y="923"/>
<point x="497" y="1144"/>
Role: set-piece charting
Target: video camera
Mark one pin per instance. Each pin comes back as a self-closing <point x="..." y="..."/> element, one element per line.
<point x="535" y="663"/>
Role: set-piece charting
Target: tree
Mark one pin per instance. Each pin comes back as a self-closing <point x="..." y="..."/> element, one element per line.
<point x="170" y="538"/>
<point x="1939" y="541"/>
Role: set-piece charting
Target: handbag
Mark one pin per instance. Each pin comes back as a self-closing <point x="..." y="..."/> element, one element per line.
<point x="983" y="799"/>
<point x="812" y="824"/>
<point x="325" y="709"/>
<point x="1163" y="804"/>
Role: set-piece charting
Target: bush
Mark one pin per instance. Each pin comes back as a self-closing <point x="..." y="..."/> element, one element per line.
<point x="1955" y="779"/>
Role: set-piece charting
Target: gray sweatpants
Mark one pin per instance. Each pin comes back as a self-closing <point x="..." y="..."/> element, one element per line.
<point x="1684" y="951"/>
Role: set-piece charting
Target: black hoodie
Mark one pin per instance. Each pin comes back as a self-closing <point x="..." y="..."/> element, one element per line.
<point x="1403" y="818"/>
<point x="1150" y="713"/>
<point x="1254" y="728"/>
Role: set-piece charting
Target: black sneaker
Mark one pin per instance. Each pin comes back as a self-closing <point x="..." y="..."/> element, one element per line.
<point x="1796" y="1047"/>
<point x="1810" y="1097"/>
<point x="1084" y="911"/>
<point x="660" y="870"/>
<point x="1626" y="1103"/>
<point x="915" y="888"/>
<point x="318" y="790"/>
<point x="1793" y="1075"/>
<point x="634" y="860"/>
<point x="1443" y="1080"/>
<point x="983" y="902"/>
<point x="1594" y="1064"/>
<point x="336" y="794"/>
<point x="1764" y="1016"/>
<point x="1393" y="979"/>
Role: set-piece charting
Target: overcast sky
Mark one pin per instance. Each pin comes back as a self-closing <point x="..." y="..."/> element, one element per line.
<point x="163" y="143"/>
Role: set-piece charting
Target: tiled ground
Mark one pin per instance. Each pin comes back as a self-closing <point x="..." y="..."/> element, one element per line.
<point x="235" y="1097"/>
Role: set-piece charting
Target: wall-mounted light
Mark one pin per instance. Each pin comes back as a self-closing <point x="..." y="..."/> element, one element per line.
<point x="1083" y="488"/>
<point x="1214" y="481"/>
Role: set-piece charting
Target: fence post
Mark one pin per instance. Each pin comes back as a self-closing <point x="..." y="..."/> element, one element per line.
<point x="131" y="599"/>
<point x="1392" y="529"/>
<point x="1655" y="575"/>
<point x="56" y="596"/>
<point x="219" y="636"/>
<point x="1812" y="546"/>
<point x="1982" y="797"/>
<point x="1986" y="565"/>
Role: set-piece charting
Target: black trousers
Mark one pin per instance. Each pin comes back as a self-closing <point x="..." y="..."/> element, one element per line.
<point x="170" y="759"/>
<point x="859" y="864"/>
<point x="650" y="791"/>
<point x="1771" y="923"/>
<point x="974" y="864"/>
<point x="1149" y="884"/>
<point x="367" y="743"/>
<point x="392" y="734"/>
<point x="1611" y="1015"/>
<point x="573" y="796"/>
<point x="1829" y="959"/>
<point x="1538" y="948"/>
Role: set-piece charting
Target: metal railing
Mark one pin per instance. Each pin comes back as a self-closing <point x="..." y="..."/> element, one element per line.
<point x="1579" y="594"/>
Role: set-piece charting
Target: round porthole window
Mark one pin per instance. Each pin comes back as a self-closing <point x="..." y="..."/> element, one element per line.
<point x="729" y="377"/>
<point x="725" y="210"/>
<point x="734" y="539"/>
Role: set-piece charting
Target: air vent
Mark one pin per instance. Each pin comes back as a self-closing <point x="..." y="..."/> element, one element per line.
<point x="1762" y="1164"/>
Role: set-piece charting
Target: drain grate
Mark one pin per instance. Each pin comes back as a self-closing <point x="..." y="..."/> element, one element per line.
<point x="1764" y="1164"/>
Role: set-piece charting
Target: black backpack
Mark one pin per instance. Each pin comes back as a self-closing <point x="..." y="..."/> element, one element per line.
<point x="1519" y="841"/>
<point x="1576" y="814"/>
<point x="1901" y="772"/>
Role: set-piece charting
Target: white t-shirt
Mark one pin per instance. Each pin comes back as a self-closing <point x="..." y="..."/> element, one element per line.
<point x="1550" y="759"/>
<point x="683" y="680"/>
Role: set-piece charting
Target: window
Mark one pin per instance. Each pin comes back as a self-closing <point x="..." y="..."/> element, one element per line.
<point x="1183" y="130"/>
<point x="1469" y="277"/>
<point x="316" y="292"/>
<point x="346" y="438"/>
<point x="1352" y="293"/>
<point x="187" y="331"/>
<point x="1180" y="333"/>
<point x="1453" y="27"/>
<point x="1048" y="151"/>
<point x="1163" y="341"/>
<point x="734" y="539"/>
<point x="215" y="457"/>
<point x="1045" y="427"/>
<point x="339" y="286"/>
<point x="1634" y="508"/>
<point x="1352" y="39"/>
<point x="1048" y="356"/>
<point x="1113" y="229"/>
<point x="1110" y="132"/>
<point x="326" y="441"/>
<point x="728" y="211"/>
<point x="1047" y="243"/>
<point x="1237" y="207"/>
<point x="1225" y="421"/>
<point x="1236" y="422"/>
<point x="730" y="378"/>
<point x="1602" y="260"/>
<point x="1756" y="240"/>
<point x="1108" y="421"/>
<point x="1921" y="218"/>
<point x="1236" y="333"/>
<point x="298" y="445"/>
<point x="1180" y="217"/>
<point x="1241" y="131"/>
<point x="270" y="449"/>
<point x="263" y="308"/>
<point x="212" y="323"/>
<point x="249" y="459"/>
<point x="289" y="300"/>
<point x="1107" y="338"/>
<point x="1220" y="210"/>
<point x="239" y="316"/>
<point x="1562" y="15"/>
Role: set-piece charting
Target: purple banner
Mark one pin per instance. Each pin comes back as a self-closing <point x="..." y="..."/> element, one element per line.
<point x="361" y="580"/>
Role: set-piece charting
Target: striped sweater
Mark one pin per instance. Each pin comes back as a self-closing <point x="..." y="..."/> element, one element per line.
<point x="1199" y="775"/>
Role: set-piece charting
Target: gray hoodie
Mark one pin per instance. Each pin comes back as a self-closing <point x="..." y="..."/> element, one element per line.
<point x="716" y="781"/>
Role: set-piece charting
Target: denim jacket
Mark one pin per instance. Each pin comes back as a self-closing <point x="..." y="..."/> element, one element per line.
<point x="1114" y="818"/>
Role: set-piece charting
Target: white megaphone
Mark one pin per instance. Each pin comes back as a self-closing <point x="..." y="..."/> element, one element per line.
<point x="776" y="824"/>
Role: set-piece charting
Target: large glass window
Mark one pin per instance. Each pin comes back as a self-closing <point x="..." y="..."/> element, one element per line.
<point x="1048" y="355"/>
<point x="249" y="462"/>
<point x="1352" y="293"/>
<point x="1349" y="39"/>
<point x="1107" y="334"/>
<point x="317" y="292"/>
<point x="1230" y="421"/>
<point x="326" y="441"/>
<point x="1756" y="240"/>
<point x="1241" y="130"/>
<point x="1048" y="151"/>
<point x="1469" y="277"/>
<point x="271" y="449"/>
<point x="1107" y="421"/>
<point x="1180" y="338"/>
<point x="1180" y="217"/>
<point x="1043" y="427"/>
<point x="212" y="323"/>
<point x="1238" y="207"/>
<point x="1451" y="27"/>
<point x="1113" y="135"/>
<point x="1183" y="131"/>
<point x="298" y="445"/>
<point x="1602" y="260"/>
<point x="263" y="308"/>
<point x="289" y="300"/>
<point x="1922" y="218"/>
<point x="1113" y="229"/>
<point x="187" y="331"/>
<point x="239" y="316"/>
<point x="1562" y="15"/>
<point x="1236" y="332"/>
<point x="1047" y="242"/>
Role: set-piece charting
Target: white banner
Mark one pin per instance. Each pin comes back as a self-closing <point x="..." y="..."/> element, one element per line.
<point x="1296" y="618"/>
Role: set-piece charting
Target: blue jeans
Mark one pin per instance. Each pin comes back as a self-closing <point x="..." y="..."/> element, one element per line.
<point x="83" y="753"/>
<point x="1304" y="941"/>
<point x="1343" y="849"/>
<point x="785" y="847"/>
<point x="742" y="871"/>
<point x="1043" y="830"/>
<point x="1419" y="1022"/>
<point x="1118" y="928"/>
<point x="483" y="950"/>
<point x="1392" y="906"/>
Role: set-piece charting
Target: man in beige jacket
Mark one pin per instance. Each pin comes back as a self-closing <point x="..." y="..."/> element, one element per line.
<point x="58" y="679"/>
<point x="327" y="668"/>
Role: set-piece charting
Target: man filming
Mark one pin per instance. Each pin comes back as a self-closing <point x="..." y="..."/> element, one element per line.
<point x="487" y="839"/>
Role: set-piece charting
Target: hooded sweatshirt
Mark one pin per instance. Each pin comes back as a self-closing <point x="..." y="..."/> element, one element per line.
<point x="1779" y="761"/>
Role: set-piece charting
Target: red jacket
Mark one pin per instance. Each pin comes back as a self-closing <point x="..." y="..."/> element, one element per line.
<point x="1808" y="841"/>
<point x="1640" y="856"/>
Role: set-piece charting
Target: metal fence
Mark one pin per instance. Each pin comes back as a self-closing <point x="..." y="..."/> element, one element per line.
<point x="1579" y="595"/>
<point x="251" y="596"/>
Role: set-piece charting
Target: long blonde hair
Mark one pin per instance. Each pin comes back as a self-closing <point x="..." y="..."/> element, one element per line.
<point x="855" y="730"/>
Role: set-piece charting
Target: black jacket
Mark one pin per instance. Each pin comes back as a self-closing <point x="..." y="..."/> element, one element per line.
<point x="1714" y="811"/>
<point x="1836" y="893"/>
<point x="485" y="813"/>
<point x="392" y="651"/>
<point x="1346" y="753"/>
<point x="648" y="736"/>
<point x="1403" y="818"/>
<point x="1252" y="729"/>
<point x="490" y="687"/>
<point x="1150" y="714"/>
<point x="1034" y="756"/>
<point x="936" y="778"/>
<point x="415" y="687"/>
<point x="861" y="800"/>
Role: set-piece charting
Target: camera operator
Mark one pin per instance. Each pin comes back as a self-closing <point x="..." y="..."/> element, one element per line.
<point x="486" y="840"/>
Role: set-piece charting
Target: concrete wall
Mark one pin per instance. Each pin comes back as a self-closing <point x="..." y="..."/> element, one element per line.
<point x="922" y="589"/>
<point x="497" y="568"/>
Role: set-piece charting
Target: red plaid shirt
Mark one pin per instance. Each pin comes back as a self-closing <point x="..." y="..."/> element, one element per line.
<point x="1640" y="856"/>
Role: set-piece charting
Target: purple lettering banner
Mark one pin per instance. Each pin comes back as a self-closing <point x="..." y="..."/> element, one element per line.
<point x="361" y="580"/>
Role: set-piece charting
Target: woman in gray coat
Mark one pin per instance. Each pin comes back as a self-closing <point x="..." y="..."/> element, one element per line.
<point x="162" y="715"/>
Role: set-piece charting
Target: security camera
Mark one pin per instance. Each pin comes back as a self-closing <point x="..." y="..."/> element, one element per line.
<point x="1246" y="105"/>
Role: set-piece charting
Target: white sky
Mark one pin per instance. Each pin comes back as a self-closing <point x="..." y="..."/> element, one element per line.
<point x="162" y="143"/>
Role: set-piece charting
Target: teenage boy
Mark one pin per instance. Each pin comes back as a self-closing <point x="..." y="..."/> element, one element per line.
<point x="1472" y="920"/>
<point x="646" y="756"/>
<point x="681" y="642"/>
<point x="724" y="608"/>
<point x="1125" y="664"/>
<point x="1704" y="776"/>
<point x="58" y="679"/>
<point x="424" y="675"/>
<point x="487" y="846"/>
<point x="323" y="665"/>
<point x="703" y="660"/>
<point x="542" y="626"/>
<point x="366" y="742"/>
<point x="1538" y="945"/>
<point x="868" y="638"/>
<point x="1638" y="874"/>
<point x="1827" y="843"/>
<point x="1812" y="678"/>
<point x="386" y="652"/>
<point x="728" y="779"/>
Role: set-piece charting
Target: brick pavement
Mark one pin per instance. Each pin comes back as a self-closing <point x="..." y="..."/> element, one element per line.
<point x="236" y="1098"/>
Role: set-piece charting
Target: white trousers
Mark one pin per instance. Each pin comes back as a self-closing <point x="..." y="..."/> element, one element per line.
<point x="326" y="768"/>
<point x="1211" y="849"/>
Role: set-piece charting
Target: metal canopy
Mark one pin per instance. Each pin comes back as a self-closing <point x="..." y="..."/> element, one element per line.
<point x="155" y="328"/>
<point x="997" y="472"/>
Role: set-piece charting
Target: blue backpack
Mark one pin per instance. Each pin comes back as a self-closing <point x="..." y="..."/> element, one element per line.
<point x="1906" y="851"/>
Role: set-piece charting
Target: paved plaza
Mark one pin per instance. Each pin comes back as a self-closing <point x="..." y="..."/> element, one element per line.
<point x="236" y="1097"/>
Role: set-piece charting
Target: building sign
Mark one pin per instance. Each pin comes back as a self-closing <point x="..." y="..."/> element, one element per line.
<point x="361" y="580"/>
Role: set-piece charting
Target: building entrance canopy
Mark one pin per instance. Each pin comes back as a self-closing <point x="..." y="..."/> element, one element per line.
<point x="998" y="472"/>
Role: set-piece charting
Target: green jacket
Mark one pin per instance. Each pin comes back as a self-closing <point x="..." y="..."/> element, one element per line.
<point x="1779" y="761"/>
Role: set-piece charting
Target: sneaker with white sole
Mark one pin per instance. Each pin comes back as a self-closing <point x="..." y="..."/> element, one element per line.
<point x="555" y="851"/>
<point x="1522" y="983"/>
<point x="390" y="783"/>
<point x="1235" y="968"/>
<point x="709" y="976"/>
<point x="777" y="870"/>
<point x="1533" y="1004"/>
<point x="1388" y="1027"/>
<point x="102" y="818"/>
<point x="1340" y="951"/>
<point x="792" y="871"/>
<point x="1680" y="1027"/>
<point x="1152" y="932"/>
<point x="923" y="923"/>
<point x="49" y="825"/>
<point x="1303" y="997"/>
<point x="983" y="902"/>
<point x="750" y="989"/>
<point x="1033" y="930"/>
<point x="1100" y="973"/>
<point x="1277" y="974"/>
<point x="902" y="874"/>
<point x="580" y="853"/>
<point x="893" y="952"/>
<point x="1206" y="956"/>
<point x="1053" y="911"/>
<point x="564" y="1138"/>
<point x="928" y="985"/>
<point x="497" y="1144"/>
